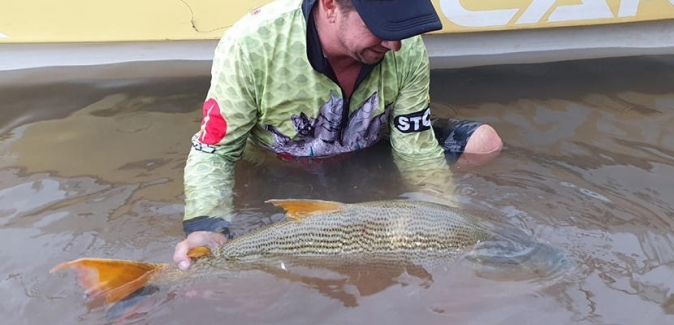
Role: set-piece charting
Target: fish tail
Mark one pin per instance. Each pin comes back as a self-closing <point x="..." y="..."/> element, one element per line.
<point x="113" y="280"/>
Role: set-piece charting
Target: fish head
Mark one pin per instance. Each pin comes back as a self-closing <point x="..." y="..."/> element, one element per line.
<point x="523" y="259"/>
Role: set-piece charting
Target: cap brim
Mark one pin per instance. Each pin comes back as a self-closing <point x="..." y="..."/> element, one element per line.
<point x="395" y="20"/>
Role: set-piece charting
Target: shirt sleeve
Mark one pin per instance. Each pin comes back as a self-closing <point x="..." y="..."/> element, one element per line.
<point x="229" y="113"/>
<point x="417" y="154"/>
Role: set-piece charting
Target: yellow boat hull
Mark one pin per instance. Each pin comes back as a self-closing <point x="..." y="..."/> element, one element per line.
<point x="475" y="32"/>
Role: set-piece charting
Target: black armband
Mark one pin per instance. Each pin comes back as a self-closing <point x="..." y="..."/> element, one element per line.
<point x="206" y="223"/>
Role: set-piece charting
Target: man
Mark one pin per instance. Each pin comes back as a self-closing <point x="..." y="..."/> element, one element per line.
<point x="317" y="78"/>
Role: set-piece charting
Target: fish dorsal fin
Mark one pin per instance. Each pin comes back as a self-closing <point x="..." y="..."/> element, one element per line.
<point x="300" y="209"/>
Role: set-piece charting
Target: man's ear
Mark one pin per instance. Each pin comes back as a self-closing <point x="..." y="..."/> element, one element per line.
<point x="328" y="9"/>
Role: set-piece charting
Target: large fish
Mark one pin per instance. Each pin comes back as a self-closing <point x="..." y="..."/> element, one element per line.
<point x="336" y="236"/>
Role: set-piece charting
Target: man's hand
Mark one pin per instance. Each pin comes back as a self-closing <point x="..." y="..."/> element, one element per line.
<point x="196" y="239"/>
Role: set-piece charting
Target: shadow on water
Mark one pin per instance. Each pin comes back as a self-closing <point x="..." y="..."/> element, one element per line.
<point x="94" y="168"/>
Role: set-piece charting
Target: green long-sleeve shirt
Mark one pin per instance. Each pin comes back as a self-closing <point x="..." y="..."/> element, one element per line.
<point x="272" y="86"/>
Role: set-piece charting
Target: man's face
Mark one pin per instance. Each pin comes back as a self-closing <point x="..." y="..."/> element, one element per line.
<point x="358" y="42"/>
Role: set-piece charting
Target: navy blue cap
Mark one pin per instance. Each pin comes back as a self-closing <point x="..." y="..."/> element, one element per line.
<point x="394" y="20"/>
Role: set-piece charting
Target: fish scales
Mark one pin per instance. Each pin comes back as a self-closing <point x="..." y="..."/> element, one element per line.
<point x="404" y="227"/>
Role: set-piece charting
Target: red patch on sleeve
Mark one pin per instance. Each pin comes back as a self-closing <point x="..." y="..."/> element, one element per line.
<point x="213" y="125"/>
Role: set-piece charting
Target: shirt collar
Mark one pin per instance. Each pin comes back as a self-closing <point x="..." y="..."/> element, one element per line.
<point x="314" y="49"/>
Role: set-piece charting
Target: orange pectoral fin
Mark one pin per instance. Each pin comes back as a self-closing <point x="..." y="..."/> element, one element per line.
<point x="299" y="209"/>
<point x="197" y="252"/>
<point x="112" y="279"/>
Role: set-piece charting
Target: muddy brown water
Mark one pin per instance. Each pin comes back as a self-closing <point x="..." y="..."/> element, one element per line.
<point x="91" y="165"/>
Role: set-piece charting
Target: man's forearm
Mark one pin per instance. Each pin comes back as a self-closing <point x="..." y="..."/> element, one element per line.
<point x="430" y="177"/>
<point x="209" y="180"/>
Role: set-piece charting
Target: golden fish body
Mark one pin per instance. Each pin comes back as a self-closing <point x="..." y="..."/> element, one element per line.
<point x="384" y="233"/>
<point x="392" y="236"/>
<point x="320" y="228"/>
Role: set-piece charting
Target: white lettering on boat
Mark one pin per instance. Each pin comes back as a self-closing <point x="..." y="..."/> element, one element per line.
<point x="536" y="11"/>
<point x="588" y="9"/>
<point x="628" y="8"/>
<point x="459" y="15"/>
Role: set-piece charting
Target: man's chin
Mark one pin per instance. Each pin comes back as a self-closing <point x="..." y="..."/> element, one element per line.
<point x="371" y="59"/>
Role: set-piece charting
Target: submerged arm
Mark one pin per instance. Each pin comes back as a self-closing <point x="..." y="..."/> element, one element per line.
<point x="417" y="154"/>
<point x="209" y="180"/>
<point x="229" y="113"/>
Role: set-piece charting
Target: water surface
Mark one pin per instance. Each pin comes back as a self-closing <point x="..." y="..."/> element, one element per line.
<point x="92" y="166"/>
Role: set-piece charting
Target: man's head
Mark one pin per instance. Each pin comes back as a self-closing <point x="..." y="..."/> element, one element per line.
<point x="366" y="29"/>
<point x="395" y="20"/>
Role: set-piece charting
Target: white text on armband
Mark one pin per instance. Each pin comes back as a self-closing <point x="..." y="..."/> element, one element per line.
<point x="198" y="145"/>
<point x="413" y="122"/>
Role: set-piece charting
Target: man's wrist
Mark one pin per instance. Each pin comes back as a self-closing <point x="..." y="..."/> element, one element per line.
<point x="206" y="223"/>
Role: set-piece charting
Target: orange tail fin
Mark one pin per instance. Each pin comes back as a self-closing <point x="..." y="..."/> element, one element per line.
<point x="112" y="279"/>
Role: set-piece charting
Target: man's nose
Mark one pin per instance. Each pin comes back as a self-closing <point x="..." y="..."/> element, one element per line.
<point x="392" y="45"/>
